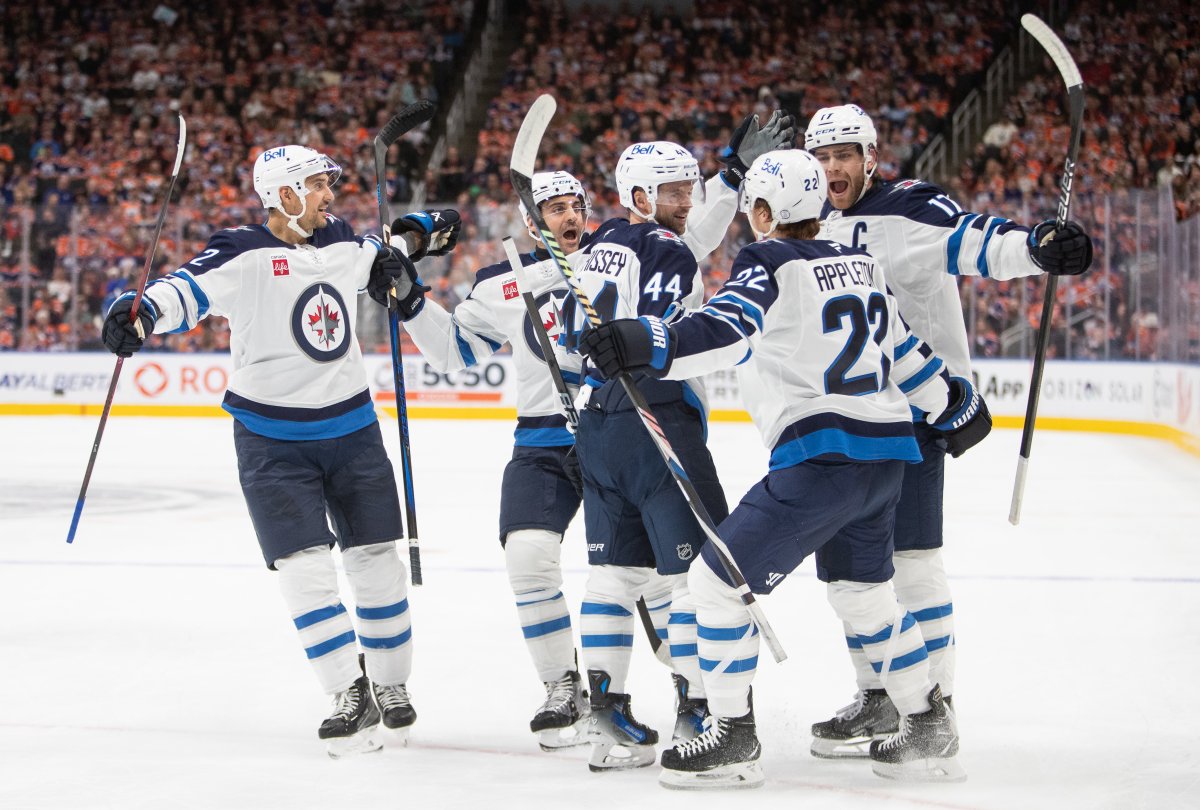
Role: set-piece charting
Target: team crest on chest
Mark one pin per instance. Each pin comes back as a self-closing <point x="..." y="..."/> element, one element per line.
<point x="321" y="324"/>
<point x="549" y="306"/>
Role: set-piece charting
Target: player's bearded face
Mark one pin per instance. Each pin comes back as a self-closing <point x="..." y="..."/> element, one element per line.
<point x="845" y="167"/>
<point x="674" y="203"/>
<point x="319" y="198"/>
<point x="566" y="218"/>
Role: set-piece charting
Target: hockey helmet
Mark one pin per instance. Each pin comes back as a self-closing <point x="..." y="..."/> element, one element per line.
<point x="289" y="166"/>
<point x="650" y="164"/>
<point x="548" y="185"/>
<point x="791" y="181"/>
<point x="845" y="124"/>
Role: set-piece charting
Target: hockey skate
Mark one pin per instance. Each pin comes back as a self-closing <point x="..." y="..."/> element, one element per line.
<point x="848" y="734"/>
<point x="561" y="722"/>
<point x="690" y="713"/>
<point x="724" y="756"/>
<point x="353" y="726"/>
<point x="396" y="707"/>
<point x="924" y="748"/>
<point x="619" y="742"/>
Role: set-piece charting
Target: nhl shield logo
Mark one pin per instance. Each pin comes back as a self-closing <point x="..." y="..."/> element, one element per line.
<point x="321" y="323"/>
<point x="684" y="551"/>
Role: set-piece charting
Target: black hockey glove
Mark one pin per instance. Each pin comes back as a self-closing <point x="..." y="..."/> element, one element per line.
<point x="433" y="233"/>
<point x="1060" y="253"/>
<point x="966" y="421"/>
<point x="120" y="335"/>
<point x="393" y="270"/>
<point x="627" y="344"/>
<point x="749" y="141"/>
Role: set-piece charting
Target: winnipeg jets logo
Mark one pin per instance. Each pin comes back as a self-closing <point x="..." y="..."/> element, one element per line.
<point x="549" y="308"/>
<point x="320" y="323"/>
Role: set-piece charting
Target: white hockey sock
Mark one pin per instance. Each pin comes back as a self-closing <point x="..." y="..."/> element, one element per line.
<point x="535" y="573"/>
<point x="864" y="674"/>
<point x="922" y="587"/>
<point x="379" y="580"/>
<point x="726" y="640"/>
<point x="681" y="630"/>
<point x="308" y="582"/>
<point x="606" y="619"/>
<point x="890" y="639"/>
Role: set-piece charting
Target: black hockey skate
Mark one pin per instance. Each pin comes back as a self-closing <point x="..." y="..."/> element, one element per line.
<point x="848" y="734"/>
<point x="724" y="756"/>
<point x="924" y="748"/>
<point x="351" y="729"/>
<point x="396" y="707"/>
<point x="560" y="721"/>
<point x="690" y="713"/>
<point x="618" y="741"/>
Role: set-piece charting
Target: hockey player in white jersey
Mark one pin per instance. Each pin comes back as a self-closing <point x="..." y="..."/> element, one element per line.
<point x="310" y="453"/>
<point x="641" y="534"/>
<point x="924" y="241"/>
<point x="827" y="369"/>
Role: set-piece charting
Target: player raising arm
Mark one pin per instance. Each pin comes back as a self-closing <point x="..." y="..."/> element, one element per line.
<point x="827" y="371"/>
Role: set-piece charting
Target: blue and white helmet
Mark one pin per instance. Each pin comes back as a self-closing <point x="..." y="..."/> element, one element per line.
<point x="791" y="181"/>
<point x="648" y="165"/>
<point x="289" y="166"/>
<point x="845" y="124"/>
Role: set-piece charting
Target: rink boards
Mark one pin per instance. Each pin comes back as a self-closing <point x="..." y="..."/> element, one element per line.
<point x="1161" y="400"/>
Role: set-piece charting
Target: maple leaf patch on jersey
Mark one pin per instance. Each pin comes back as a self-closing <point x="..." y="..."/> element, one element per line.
<point x="321" y="323"/>
<point x="904" y="185"/>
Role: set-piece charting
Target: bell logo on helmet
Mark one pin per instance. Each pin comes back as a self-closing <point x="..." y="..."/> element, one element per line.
<point x="271" y="154"/>
<point x="642" y="149"/>
<point x="772" y="166"/>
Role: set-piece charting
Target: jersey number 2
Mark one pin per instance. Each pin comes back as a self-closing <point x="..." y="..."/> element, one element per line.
<point x="862" y="317"/>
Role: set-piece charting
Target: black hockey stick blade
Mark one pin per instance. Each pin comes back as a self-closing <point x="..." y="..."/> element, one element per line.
<point x="1071" y="77"/>
<point x="410" y="117"/>
<point x="524" y="156"/>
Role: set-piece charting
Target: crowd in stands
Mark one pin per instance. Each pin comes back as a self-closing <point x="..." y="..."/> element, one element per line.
<point x="87" y="126"/>
<point x="1141" y="69"/>
<point x="88" y="99"/>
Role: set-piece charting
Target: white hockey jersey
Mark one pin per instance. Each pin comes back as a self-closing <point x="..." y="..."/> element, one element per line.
<point x="923" y="240"/>
<point x="494" y="313"/>
<point x="297" y="367"/>
<point x="827" y="366"/>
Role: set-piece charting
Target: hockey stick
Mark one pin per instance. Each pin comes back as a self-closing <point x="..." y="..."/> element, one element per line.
<point x="1074" y="82"/>
<point x="180" y="146"/>
<point x="410" y="117"/>
<point x="661" y="651"/>
<point x="521" y="172"/>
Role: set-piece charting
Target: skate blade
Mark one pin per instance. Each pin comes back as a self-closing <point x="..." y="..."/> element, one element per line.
<point x="554" y="739"/>
<point x="740" y="776"/>
<point x="610" y="757"/>
<point x="850" y="748"/>
<point x="365" y="741"/>
<point x="396" y="737"/>
<point x="931" y="769"/>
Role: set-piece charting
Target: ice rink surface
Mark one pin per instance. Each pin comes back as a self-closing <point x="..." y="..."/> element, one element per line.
<point x="152" y="664"/>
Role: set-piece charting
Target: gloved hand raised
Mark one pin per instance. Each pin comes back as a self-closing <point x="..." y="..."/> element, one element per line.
<point x="1060" y="253"/>
<point x="121" y="336"/>
<point x="966" y="420"/>
<point x="393" y="270"/>
<point x="431" y="233"/>
<point x="749" y="142"/>
<point x="628" y="344"/>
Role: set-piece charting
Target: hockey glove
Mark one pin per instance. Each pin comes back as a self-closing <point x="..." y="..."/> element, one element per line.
<point x="629" y="345"/>
<point x="394" y="279"/>
<point x="966" y="421"/>
<point x="749" y="141"/>
<point x="121" y="336"/>
<point x="1060" y="253"/>
<point x="430" y="233"/>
